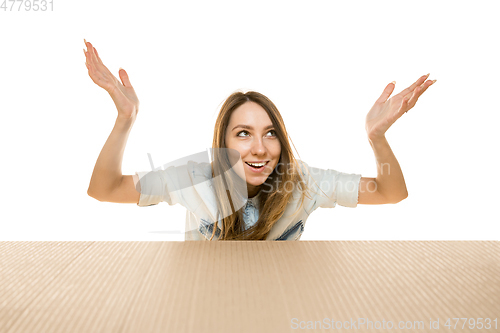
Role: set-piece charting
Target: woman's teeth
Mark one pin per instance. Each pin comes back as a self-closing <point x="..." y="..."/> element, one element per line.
<point x="256" y="165"/>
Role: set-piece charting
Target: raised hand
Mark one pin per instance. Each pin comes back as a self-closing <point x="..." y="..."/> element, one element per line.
<point x="122" y="93"/>
<point x="385" y="112"/>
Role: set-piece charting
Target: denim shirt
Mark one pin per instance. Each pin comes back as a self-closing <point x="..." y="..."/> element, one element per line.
<point x="169" y="186"/>
<point x="251" y="212"/>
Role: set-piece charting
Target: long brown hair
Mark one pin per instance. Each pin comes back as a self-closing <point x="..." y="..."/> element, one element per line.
<point x="272" y="203"/>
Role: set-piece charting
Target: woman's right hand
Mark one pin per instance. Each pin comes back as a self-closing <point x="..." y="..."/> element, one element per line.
<point x="123" y="93"/>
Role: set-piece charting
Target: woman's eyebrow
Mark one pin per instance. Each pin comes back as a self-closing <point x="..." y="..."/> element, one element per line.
<point x="250" y="127"/>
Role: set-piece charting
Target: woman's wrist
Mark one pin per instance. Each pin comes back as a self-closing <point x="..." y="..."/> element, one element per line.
<point x="377" y="138"/>
<point x="125" y="122"/>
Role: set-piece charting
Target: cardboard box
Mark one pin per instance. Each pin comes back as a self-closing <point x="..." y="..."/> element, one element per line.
<point x="250" y="286"/>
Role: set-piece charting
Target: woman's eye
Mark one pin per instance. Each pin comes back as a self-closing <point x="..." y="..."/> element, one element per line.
<point x="271" y="131"/>
<point x="241" y="132"/>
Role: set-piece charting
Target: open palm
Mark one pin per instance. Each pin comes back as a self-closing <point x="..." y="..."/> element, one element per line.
<point x="122" y="93"/>
<point x="385" y="112"/>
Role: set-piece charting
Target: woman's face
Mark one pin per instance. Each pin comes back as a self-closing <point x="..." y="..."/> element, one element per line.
<point x="251" y="133"/>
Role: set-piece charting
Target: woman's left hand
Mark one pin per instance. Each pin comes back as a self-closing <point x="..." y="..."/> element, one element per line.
<point x="385" y="112"/>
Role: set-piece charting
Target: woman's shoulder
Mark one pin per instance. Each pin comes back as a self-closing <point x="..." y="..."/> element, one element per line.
<point x="303" y="166"/>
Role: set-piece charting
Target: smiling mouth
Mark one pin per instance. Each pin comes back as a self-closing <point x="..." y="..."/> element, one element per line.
<point x="257" y="168"/>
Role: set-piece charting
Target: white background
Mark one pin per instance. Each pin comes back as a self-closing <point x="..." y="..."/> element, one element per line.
<point x="323" y="63"/>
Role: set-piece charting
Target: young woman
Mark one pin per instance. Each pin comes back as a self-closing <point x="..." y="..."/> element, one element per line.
<point x="254" y="188"/>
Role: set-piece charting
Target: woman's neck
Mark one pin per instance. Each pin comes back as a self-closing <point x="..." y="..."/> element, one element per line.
<point x="253" y="190"/>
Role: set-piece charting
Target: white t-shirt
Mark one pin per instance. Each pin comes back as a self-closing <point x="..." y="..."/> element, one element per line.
<point x="190" y="185"/>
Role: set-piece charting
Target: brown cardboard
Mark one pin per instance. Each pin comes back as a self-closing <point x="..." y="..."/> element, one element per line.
<point x="247" y="286"/>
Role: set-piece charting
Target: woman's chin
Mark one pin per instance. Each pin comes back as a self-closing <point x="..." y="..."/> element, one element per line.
<point x="256" y="181"/>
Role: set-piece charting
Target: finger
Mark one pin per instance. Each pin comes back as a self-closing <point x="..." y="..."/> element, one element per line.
<point x="88" y="61"/>
<point x="124" y="77"/>
<point x="88" y="53"/>
<point x="426" y="85"/>
<point x="92" y="55"/>
<point x="414" y="85"/>
<point x="422" y="88"/>
<point x="97" y="56"/>
<point x="94" y="73"/>
<point x="96" y="61"/>
<point x="88" y="56"/>
<point x="414" y="97"/>
<point x="387" y="92"/>
<point x="404" y="107"/>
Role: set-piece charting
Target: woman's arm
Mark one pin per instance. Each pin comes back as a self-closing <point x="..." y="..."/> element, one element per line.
<point x="389" y="185"/>
<point x="107" y="175"/>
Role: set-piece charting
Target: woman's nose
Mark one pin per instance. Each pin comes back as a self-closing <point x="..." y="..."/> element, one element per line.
<point x="258" y="147"/>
